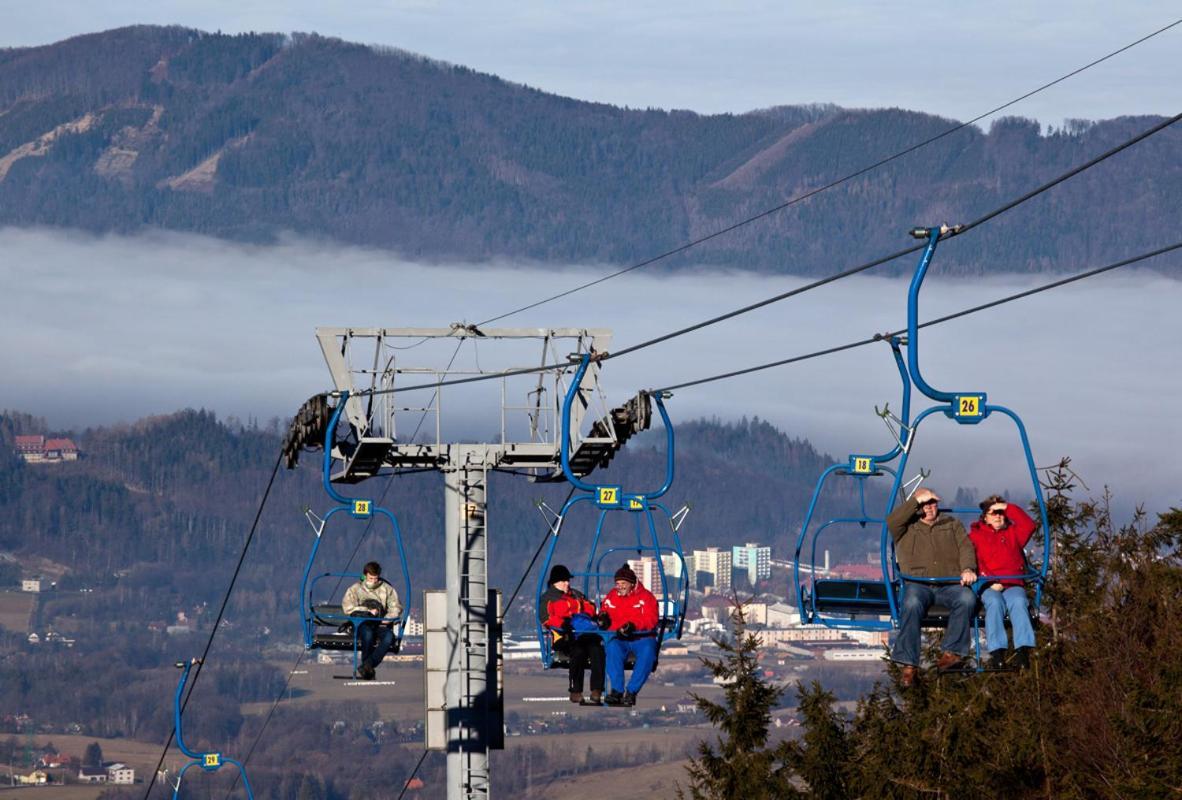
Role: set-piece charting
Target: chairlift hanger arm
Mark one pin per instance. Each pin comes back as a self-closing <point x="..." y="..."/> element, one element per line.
<point x="572" y="391"/>
<point x="187" y="666"/>
<point x="933" y="236"/>
<point x="903" y="437"/>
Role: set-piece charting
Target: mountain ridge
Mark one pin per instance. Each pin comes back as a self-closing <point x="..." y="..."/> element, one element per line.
<point x="247" y="137"/>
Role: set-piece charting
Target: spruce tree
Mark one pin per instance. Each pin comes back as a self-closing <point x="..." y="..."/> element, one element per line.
<point x="740" y="763"/>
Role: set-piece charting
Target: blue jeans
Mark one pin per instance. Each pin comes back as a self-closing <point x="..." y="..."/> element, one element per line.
<point x="618" y="649"/>
<point x="1012" y="599"/>
<point x="373" y="642"/>
<point x="917" y="599"/>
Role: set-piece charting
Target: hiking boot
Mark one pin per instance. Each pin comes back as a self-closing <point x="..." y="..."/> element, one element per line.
<point x="948" y="661"/>
<point x="614" y="699"/>
<point x="366" y="672"/>
<point x="596" y="699"/>
<point x="1022" y="657"/>
<point x="907" y="676"/>
<point x="997" y="659"/>
<point x="576" y="697"/>
<point x="629" y="698"/>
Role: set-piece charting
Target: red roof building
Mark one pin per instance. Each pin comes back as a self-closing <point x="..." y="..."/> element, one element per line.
<point x="38" y="449"/>
<point x="866" y="572"/>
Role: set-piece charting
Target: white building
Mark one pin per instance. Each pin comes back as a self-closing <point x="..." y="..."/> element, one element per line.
<point x="31" y="584"/>
<point x="780" y="615"/>
<point x="120" y="773"/>
<point x="413" y="627"/>
<point x="712" y="567"/>
<point x="648" y="573"/>
<point x="755" y="559"/>
<point x="853" y="654"/>
<point x="92" y="775"/>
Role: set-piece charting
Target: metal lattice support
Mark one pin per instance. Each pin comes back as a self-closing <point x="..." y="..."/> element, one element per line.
<point x="464" y="696"/>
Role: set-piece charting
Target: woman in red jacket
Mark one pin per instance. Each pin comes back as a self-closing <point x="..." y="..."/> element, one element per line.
<point x="999" y="537"/>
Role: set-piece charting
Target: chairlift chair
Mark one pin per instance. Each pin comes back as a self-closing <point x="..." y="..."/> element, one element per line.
<point x="325" y="624"/>
<point x="611" y="500"/>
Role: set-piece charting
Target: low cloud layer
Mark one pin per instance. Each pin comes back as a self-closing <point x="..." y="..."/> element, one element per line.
<point x="99" y="330"/>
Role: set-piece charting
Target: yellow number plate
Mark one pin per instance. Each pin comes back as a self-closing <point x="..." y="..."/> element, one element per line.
<point x="361" y="508"/>
<point x="213" y="760"/>
<point x="609" y="496"/>
<point x="862" y="465"/>
<point x="634" y="504"/>
<point x="968" y="405"/>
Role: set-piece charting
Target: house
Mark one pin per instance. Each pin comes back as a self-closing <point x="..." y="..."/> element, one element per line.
<point x="31" y="448"/>
<point x="31" y="584"/>
<point x="34" y="778"/>
<point x="120" y="773"/>
<point x="54" y="760"/>
<point x="92" y="775"/>
<point x="38" y="449"/>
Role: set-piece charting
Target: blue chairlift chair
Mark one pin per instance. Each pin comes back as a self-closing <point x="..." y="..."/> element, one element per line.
<point x="209" y="762"/>
<point x="611" y="500"/>
<point x="964" y="408"/>
<point x="325" y="624"/>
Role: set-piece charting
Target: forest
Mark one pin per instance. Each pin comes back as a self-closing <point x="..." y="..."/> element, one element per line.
<point x="1097" y="715"/>
<point x="254" y="136"/>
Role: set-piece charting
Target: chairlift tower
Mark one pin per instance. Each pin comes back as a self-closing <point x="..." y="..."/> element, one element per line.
<point x="463" y="690"/>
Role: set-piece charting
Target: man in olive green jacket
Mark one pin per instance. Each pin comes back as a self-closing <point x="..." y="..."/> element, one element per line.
<point x="931" y="545"/>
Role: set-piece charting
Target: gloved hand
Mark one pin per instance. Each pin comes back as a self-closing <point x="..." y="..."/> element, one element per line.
<point x="627" y="629"/>
<point x="603" y="620"/>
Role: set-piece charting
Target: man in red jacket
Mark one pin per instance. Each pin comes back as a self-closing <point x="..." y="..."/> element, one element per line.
<point x="630" y="611"/>
<point x="999" y="538"/>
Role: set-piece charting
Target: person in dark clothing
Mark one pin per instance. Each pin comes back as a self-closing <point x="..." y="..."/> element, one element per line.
<point x="564" y="612"/>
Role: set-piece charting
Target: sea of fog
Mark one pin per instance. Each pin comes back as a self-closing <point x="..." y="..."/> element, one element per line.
<point x="98" y="330"/>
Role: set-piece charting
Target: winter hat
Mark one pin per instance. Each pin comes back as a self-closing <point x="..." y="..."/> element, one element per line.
<point x="559" y="573"/>
<point x="625" y="573"/>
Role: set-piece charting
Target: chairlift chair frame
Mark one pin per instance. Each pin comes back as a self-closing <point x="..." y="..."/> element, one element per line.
<point x="315" y="615"/>
<point x="208" y="762"/>
<point x="826" y="597"/>
<point x="965" y="408"/>
<point x="612" y="498"/>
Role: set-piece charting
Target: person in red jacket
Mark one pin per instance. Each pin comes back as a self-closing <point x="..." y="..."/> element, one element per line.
<point x="568" y="615"/>
<point x="630" y="611"/>
<point x="999" y="537"/>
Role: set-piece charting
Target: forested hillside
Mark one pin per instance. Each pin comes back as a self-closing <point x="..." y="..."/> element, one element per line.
<point x="247" y="137"/>
<point x="156" y="513"/>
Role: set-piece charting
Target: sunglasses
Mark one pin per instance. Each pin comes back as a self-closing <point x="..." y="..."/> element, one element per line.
<point x="998" y="511"/>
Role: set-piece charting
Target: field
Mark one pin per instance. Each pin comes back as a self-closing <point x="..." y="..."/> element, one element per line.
<point x="15" y="608"/>
<point x="141" y="755"/>
<point x="398" y="691"/>
<point x="54" y="792"/>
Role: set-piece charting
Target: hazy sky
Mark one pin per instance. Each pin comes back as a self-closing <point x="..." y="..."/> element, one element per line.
<point x="115" y="328"/>
<point x="949" y="58"/>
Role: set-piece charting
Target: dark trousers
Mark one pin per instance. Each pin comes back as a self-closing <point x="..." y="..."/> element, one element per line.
<point x="373" y="641"/>
<point x="586" y="651"/>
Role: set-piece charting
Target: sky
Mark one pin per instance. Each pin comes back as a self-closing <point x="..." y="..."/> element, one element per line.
<point x="116" y="328"/>
<point x="949" y="58"/>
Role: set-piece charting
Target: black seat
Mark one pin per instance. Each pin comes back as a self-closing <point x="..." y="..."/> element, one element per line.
<point x="329" y="615"/>
<point x="852" y="597"/>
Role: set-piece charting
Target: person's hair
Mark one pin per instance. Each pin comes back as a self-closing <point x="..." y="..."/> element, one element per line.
<point x="372" y="568"/>
<point x="991" y="501"/>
